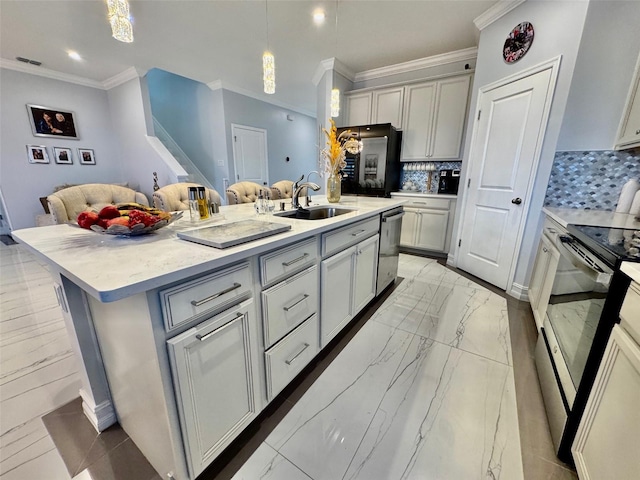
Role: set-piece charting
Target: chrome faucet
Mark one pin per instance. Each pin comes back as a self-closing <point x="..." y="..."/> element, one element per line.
<point x="308" y="202"/>
<point x="294" y="199"/>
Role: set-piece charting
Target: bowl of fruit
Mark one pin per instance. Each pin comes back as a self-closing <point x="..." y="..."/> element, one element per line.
<point x="127" y="219"/>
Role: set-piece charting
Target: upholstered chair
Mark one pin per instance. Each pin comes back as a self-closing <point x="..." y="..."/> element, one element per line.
<point x="244" y="192"/>
<point x="174" y="197"/>
<point x="66" y="204"/>
<point x="284" y="189"/>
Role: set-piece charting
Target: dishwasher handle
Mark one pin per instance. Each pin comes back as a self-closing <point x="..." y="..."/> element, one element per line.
<point x="393" y="218"/>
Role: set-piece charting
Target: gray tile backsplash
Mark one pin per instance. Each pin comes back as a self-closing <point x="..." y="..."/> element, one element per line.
<point x="591" y="180"/>
<point x="420" y="177"/>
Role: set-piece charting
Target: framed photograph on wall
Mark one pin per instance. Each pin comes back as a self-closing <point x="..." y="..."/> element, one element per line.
<point x="37" y="154"/>
<point x="52" y="122"/>
<point x="86" y="156"/>
<point x="62" y="155"/>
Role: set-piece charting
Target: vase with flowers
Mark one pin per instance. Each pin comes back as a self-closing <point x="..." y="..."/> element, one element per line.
<point x="333" y="157"/>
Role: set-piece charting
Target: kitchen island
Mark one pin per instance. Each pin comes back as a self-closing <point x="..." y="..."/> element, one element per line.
<point x="185" y="344"/>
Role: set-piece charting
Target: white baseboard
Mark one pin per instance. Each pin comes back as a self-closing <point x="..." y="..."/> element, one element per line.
<point x="519" y="291"/>
<point x="101" y="416"/>
<point x="451" y="260"/>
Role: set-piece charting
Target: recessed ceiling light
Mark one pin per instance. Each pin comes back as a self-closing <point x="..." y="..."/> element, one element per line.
<point x="318" y="17"/>
<point x="75" y="55"/>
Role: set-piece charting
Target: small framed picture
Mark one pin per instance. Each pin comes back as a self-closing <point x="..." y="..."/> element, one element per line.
<point x="52" y="122"/>
<point x="62" y="155"/>
<point x="86" y="156"/>
<point x="37" y="154"/>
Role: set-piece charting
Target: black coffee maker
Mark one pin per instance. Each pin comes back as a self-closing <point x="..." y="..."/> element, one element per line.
<point x="449" y="181"/>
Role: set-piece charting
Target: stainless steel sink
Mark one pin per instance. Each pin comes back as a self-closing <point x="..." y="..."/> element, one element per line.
<point x="314" y="213"/>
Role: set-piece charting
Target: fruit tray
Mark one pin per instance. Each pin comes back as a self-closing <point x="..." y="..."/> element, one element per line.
<point x="138" y="229"/>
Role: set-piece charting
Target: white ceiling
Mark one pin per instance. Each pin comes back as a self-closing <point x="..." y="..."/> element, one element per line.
<point x="216" y="40"/>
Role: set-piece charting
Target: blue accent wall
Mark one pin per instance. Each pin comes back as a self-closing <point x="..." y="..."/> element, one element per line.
<point x="591" y="180"/>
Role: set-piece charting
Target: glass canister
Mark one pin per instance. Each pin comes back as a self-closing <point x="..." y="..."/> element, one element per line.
<point x="194" y="211"/>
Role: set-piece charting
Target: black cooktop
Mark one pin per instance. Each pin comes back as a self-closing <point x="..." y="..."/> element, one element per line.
<point x="613" y="245"/>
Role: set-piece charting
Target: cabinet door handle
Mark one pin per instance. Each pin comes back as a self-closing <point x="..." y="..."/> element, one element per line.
<point x="357" y="234"/>
<point x="197" y="303"/>
<point x="545" y="249"/>
<point x="295" y="260"/>
<point x="304" y="297"/>
<point x="202" y="338"/>
<point x="638" y="132"/>
<point x="292" y="359"/>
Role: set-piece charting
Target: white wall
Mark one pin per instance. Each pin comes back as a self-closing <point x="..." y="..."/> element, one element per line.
<point x="558" y="30"/>
<point x="608" y="51"/>
<point x="23" y="183"/>
<point x="294" y="139"/>
<point x="131" y="114"/>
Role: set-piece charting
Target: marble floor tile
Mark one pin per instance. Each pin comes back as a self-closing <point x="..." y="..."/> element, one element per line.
<point x="447" y="414"/>
<point x="322" y="431"/>
<point x="471" y="319"/>
<point x="267" y="464"/>
<point x="38" y="371"/>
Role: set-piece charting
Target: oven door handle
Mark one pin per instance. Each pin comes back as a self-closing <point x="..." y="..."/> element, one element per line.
<point x="577" y="261"/>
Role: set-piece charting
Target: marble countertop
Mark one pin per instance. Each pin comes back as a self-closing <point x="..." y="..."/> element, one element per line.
<point x="412" y="193"/>
<point x="596" y="218"/>
<point x="111" y="268"/>
<point x="632" y="269"/>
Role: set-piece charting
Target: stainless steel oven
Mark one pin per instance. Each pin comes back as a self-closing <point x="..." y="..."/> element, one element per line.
<point x="585" y="302"/>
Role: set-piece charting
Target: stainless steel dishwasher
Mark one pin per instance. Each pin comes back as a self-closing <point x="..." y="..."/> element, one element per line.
<point x="390" y="226"/>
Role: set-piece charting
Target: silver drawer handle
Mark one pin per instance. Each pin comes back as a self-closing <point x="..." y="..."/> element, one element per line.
<point x="202" y="338"/>
<point x="304" y="297"/>
<point x="197" y="303"/>
<point x="295" y="260"/>
<point x="358" y="233"/>
<point x="292" y="359"/>
<point x="418" y="203"/>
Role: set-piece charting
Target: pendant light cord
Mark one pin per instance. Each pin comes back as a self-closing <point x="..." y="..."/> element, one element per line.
<point x="266" y="14"/>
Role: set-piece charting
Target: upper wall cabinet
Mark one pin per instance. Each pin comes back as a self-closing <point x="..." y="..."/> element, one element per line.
<point x="629" y="130"/>
<point x="378" y="106"/>
<point x="434" y="119"/>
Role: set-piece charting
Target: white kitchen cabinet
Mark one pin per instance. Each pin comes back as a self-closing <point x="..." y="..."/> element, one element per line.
<point x="347" y="284"/>
<point x="606" y="444"/>
<point x="629" y="129"/>
<point x="428" y="223"/>
<point x="434" y="119"/>
<point x="215" y="376"/>
<point x="377" y="106"/>
<point x="541" y="283"/>
<point x="358" y="108"/>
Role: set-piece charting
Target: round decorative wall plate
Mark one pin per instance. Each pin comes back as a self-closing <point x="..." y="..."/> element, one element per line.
<point x="518" y="42"/>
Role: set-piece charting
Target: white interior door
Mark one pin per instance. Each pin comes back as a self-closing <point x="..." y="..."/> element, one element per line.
<point x="505" y="148"/>
<point x="250" y="154"/>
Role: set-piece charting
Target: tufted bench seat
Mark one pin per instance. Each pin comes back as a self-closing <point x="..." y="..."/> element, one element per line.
<point x="66" y="204"/>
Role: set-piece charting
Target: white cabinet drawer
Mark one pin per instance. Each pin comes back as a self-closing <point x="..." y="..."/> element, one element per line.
<point x="341" y="238"/>
<point x="285" y="360"/>
<point x="287" y="304"/>
<point x="277" y="265"/>
<point x="197" y="298"/>
<point x="433" y="203"/>
<point x="630" y="312"/>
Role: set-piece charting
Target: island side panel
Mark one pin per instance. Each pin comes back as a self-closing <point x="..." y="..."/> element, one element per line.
<point x="125" y="330"/>
<point x="96" y="398"/>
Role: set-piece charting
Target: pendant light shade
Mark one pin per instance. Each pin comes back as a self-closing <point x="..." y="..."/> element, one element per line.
<point x="118" y="12"/>
<point x="335" y="102"/>
<point x="269" y="73"/>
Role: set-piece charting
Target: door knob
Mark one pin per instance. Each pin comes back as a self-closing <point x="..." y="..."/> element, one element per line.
<point x="516" y="201"/>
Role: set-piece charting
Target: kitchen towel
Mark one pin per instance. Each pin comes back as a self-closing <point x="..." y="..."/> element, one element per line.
<point x="626" y="196"/>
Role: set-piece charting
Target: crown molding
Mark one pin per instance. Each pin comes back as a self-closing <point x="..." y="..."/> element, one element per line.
<point x="495" y="12"/>
<point x="335" y="65"/>
<point x="218" y="85"/>
<point x="123" y="77"/>
<point x="413" y="65"/>
<point x="52" y="74"/>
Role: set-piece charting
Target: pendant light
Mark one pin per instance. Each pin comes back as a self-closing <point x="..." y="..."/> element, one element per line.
<point x="268" y="61"/>
<point x="118" y="13"/>
<point x="335" y="92"/>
